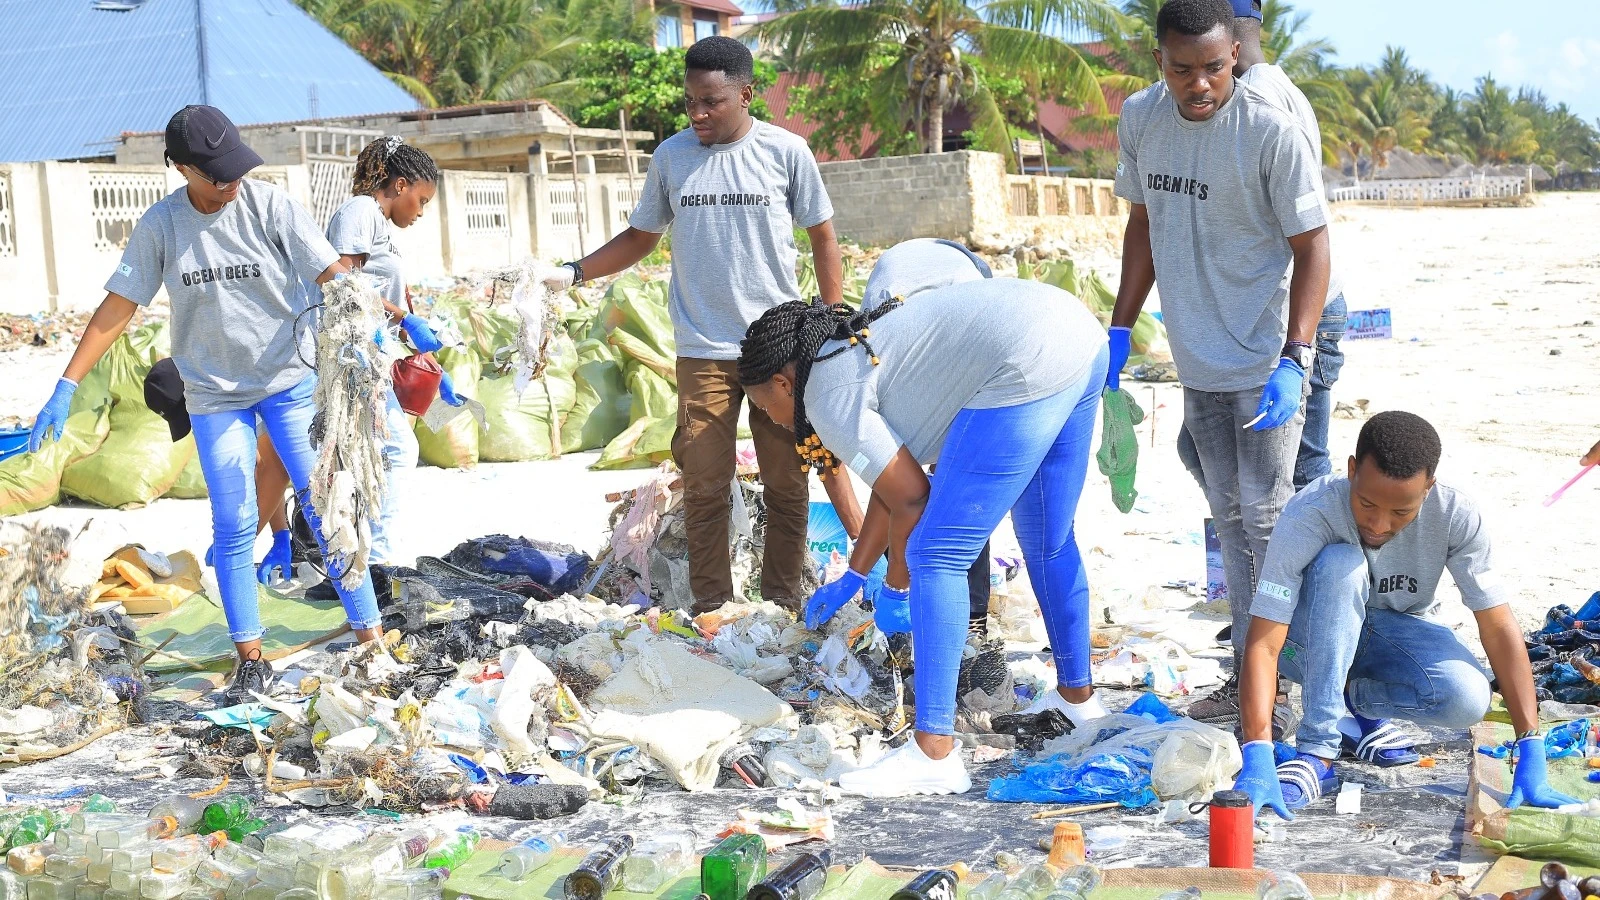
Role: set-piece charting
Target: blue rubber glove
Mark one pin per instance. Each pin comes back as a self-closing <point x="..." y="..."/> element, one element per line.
<point x="1280" y="399"/>
<point x="1529" y="782"/>
<point x="422" y="337"/>
<point x="280" y="557"/>
<point x="51" y="422"/>
<point x="1259" y="779"/>
<point x="211" y="553"/>
<point x="447" y="391"/>
<point x="1121" y="346"/>
<point x="828" y="598"/>
<point x="892" y="612"/>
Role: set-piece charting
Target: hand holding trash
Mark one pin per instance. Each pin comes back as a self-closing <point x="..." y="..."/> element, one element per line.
<point x="1259" y="779"/>
<point x="892" y="611"/>
<point x="1530" y="782"/>
<point x="52" y="420"/>
<point x="558" y="279"/>
<point x="280" y="557"/>
<point x="1121" y="346"/>
<point x="447" y="391"/>
<point x="828" y="598"/>
<point x="1280" y="399"/>
<point x="422" y="337"/>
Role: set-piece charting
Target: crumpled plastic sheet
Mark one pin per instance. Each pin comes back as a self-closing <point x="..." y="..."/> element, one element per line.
<point x="558" y="567"/>
<point x="842" y="673"/>
<point x="1161" y="666"/>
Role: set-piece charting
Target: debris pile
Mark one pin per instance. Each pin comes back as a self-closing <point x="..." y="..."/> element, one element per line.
<point x="1566" y="654"/>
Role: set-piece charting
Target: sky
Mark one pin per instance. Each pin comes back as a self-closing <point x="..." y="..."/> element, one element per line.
<point x="1553" y="45"/>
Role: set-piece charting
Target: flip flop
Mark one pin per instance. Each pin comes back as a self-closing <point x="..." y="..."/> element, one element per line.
<point x="1303" y="783"/>
<point x="1386" y="746"/>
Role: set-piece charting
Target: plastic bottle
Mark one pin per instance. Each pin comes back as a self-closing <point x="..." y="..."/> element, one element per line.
<point x="934" y="884"/>
<point x="990" y="888"/>
<point x="733" y="867"/>
<point x="600" y="871"/>
<point x="229" y="812"/>
<point x="411" y="884"/>
<point x="455" y="850"/>
<point x="1282" y="886"/>
<point x="801" y="879"/>
<point x="524" y="859"/>
<point x="656" y="862"/>
<point x="136" y="832"/>
<point x="70" y="869"/>
<point x="47" y="888"/>
<point x="161" y="885"/>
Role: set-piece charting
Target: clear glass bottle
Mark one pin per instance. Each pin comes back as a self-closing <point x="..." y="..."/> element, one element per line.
<point x="47" y="888"/>
<point x="136" y="832"/>
<point x="182" y="854"/>
<point x="70" y="869"/>
<point x="186" y="810"/>
<point x="990" y="888"/>
<point x="1282" y="886"/>
<point x="412" y="884"/>
<point x="155" y="885"/>
<point x="523" y="859"/>
<point x="656" y="862"/>
<point x="1077" y="883"/>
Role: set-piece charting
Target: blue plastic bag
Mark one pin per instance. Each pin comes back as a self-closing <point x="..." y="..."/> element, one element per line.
<point x="1098" y="778"/>
<point x="1151" y="707"/>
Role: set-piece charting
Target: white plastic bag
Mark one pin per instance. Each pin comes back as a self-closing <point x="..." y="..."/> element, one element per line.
<point x="1194" y="761"/>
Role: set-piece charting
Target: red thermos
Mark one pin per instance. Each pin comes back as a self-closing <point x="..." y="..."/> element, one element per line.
<point x="1232" y="831"/>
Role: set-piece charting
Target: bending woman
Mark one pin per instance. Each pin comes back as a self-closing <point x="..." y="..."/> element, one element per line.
<point x="995" y="380"/>
<point x="236" y="257"/>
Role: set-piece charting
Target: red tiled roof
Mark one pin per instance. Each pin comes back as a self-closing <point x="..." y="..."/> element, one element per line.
<point x="777" y="100"/>
<point x="721" y="6"/>
<point x="1058" y="123"/>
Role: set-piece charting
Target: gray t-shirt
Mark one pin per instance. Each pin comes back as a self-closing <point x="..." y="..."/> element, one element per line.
<point x="1274" y="84"/>
<point x="237" y="279"/>
<point x="359" y="226"/>
<point x="920" y="264"/>
<point x="1224" y="196"/>
<point x="979" y="345"/>
<point x="733" y="208"/>
<point x="1448" y="533"/>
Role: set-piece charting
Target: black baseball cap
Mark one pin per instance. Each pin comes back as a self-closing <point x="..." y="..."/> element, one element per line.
<point x="163" y="393"/>
<point x="1246" y="9"/>
<point x="203" y="137"/>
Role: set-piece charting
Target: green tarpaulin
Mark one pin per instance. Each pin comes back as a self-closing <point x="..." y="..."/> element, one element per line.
<point x="202" y="631"/>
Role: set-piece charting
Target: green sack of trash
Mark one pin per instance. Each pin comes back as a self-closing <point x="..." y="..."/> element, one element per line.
<point x="138" y="462"/>
<point x="455" y="446"/>
<point x="1119" y="445"/>
<point x="636" y="320"/>
<point x="30" y="481"/>
<point x="646" y="443"/>
<point x="600" y="411"/>
<point x="517" y="429"/>
<point x="191" y="483"/>
<point x="1148" y="341"/>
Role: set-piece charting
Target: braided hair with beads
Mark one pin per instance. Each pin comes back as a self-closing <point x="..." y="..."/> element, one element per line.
<point x="795" y="332"/>
<point x="390" y="158"/>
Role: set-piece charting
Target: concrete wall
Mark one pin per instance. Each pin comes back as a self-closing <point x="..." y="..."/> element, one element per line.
<point x="966" y="196"/>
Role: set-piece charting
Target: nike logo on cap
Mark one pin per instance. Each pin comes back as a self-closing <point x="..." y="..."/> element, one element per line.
<point x="218" y="142"/>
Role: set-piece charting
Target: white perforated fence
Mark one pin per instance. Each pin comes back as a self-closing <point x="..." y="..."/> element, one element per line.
<point x="118" y="200"/>
<point x="330" y="188"/>
<point x="487" y="210"/>
<point x="622" y="204"/>
<point x="564" y="200"/>
<point x="1432" y="190"/>
<point x="8" y="230"/>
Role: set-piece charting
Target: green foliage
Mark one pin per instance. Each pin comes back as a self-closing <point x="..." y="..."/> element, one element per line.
<point x="649" y="84"/>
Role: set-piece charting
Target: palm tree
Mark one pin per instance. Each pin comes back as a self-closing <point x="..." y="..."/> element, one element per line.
<point x="917" y="54"/>
<point x="1563" y="136"/>
<point x="1497" y="131"/>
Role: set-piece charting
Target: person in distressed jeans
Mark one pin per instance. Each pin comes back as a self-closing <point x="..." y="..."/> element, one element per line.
<point x="1226" y="193"/>
<point x="733" y="189"/>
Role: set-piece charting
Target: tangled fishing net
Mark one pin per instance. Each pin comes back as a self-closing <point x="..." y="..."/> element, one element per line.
<point x="353" y="382"/>
<point x="538" y="316"/>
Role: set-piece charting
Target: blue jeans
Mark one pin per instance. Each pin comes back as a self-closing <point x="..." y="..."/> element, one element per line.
<point x="400" y="452"/>
<point x="1248" y="476"/>
<point x="227" y="445"/>
<point x="1030" y="461"/>
<point x="1313" y="461"/>
<point x="1394" y="664"/>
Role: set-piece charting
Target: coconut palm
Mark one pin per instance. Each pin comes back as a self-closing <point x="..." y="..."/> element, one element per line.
<point x="929" y="46"/>
<point x="1497" y="131"/>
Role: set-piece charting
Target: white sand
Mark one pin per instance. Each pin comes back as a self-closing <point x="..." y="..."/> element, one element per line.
<point x="1480" y="299"/>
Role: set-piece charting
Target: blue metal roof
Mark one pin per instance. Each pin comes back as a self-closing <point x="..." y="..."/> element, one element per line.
<point x="79" y="73"/>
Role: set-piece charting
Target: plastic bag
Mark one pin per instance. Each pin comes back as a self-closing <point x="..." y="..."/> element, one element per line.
<point x="1195" y="760"/>
<point x="456" y="445"/>
<point x="601" y="407"/>
<point x="645" y="443"/>
<point x="519" y="428"/>
<point x="30" y="481"/>
<point x="1097" y="778"/>
<point x="1119" y="446"/>
<point x="191" y="483"/>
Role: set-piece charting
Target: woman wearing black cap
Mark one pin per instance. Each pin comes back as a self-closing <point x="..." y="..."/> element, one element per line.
<point x="237" y="259"/>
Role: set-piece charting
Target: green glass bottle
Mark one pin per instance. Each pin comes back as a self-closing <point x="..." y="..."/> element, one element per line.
<point x="733" y="867"/>
<point x="36" y="825"/>
<point x="226" y="813"/>
<point x="248" y="826"/>
<point x="452" y="851"/>
<point x="98" y="803"/>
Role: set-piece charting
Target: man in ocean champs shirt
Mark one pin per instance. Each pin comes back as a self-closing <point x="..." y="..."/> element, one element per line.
<point x="1226" y="192"/>
<point x="1346" y="608"/>
<point x="733" y="189"/>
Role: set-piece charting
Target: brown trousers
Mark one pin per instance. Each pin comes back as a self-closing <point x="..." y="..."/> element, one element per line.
<point x="704" y="447"/>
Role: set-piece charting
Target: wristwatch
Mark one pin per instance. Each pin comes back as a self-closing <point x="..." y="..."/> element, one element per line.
<point x="1300" y="353"/>
<point x="577" y="271"/>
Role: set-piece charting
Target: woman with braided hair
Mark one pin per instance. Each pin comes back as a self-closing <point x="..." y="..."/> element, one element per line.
<point x="997" y="381"/>
<point x="393" y="183"/>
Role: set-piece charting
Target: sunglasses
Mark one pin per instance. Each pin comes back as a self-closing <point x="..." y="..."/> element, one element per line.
<point x="219" y="185"/>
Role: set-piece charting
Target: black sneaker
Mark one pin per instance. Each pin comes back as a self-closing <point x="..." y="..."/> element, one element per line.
<point x="1220" y="704"/>
<point x="249" y="675"/>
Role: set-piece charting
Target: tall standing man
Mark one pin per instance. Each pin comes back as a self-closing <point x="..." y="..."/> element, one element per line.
<point x="1226" y="193"/>
<point x="733" y="188"/>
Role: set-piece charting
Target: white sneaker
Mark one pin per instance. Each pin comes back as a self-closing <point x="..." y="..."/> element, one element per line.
<point x="908" y="771"/>
<point x="1076" y="713"/>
